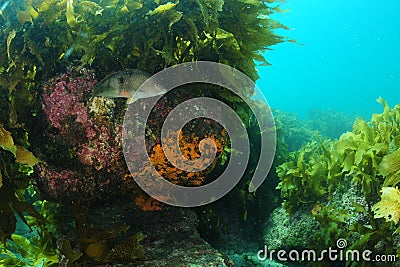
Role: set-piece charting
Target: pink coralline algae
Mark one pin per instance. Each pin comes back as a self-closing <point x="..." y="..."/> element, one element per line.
<point x="63" y="101"/>
<point x="89" y="135"/>
<point x="82" y="155"/>
<point x="104" y="151"/>
<point x="59" y="182"/>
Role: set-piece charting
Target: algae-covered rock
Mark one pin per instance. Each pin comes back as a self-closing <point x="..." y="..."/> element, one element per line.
<point x="284" y="231"/>
<point x="169" y="236"/>
<point x="337" y="183"/>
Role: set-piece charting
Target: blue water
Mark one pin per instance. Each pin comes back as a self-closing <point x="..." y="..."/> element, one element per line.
<point x="350" y="55"/>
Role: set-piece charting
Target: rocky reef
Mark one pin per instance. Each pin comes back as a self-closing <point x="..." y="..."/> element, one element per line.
<point x="342" y="190"/>
<point x="83" y="157"/>
<point x="62" y="164"/>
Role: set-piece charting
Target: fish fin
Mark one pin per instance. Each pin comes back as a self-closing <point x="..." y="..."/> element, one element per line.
<point x="135" y="97"/>
<point x="138" y="95"/>
<point x="141" y="94"/>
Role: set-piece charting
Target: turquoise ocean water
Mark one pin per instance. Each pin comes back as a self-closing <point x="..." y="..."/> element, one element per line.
<point x="349" y="56"/>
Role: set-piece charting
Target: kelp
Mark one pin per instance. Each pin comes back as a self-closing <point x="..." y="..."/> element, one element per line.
<point x="307" y="177"/>
<point x="102" y="245"/>
<point x="39" y="248"/>
<point x="366" y="157"/>
<point x="6" y="141"/>
<point x="16" y="165"/>
<point x="390" y="168"/>
<point x="389" y="206"/>
<point x="362" y="154"/>
<point x="16" y="160"/>
<point x="156" y="34"/>
<point x="329" y="123"/>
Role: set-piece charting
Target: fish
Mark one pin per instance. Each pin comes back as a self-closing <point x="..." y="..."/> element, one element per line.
<point x="126" y="83"/>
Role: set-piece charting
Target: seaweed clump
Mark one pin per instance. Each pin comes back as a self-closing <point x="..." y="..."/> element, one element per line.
<point x="148" y="35"/>
<point x="15" y="170"/>
<point x="319" y="177"/>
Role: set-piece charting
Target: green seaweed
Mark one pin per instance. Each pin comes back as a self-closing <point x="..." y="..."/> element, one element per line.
<point x="304" y="177"/>
<point x="16" y="166"/>
<point x="333" y="224"/>
<point x="38" y="246"/>
<point x="367" y="158"/>
<point x="357" y="154"/>
<point x="151" y="34"/>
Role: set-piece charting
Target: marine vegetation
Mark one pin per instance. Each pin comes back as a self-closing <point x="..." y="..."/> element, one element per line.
<point x="39" y="247"/>
<point x="16" y="168"/>
<point x="84" y="140"/>
<point x="150" y="35"/>
<point x="296" y="131"/>
<point x="65" y="143"/>
<point x="293" y="131"/>
<point x="320" y="176"/>
<point x="329" y="123"/>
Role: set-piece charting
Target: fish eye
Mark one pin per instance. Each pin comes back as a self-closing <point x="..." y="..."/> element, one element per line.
<point x="121" y="80"/>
